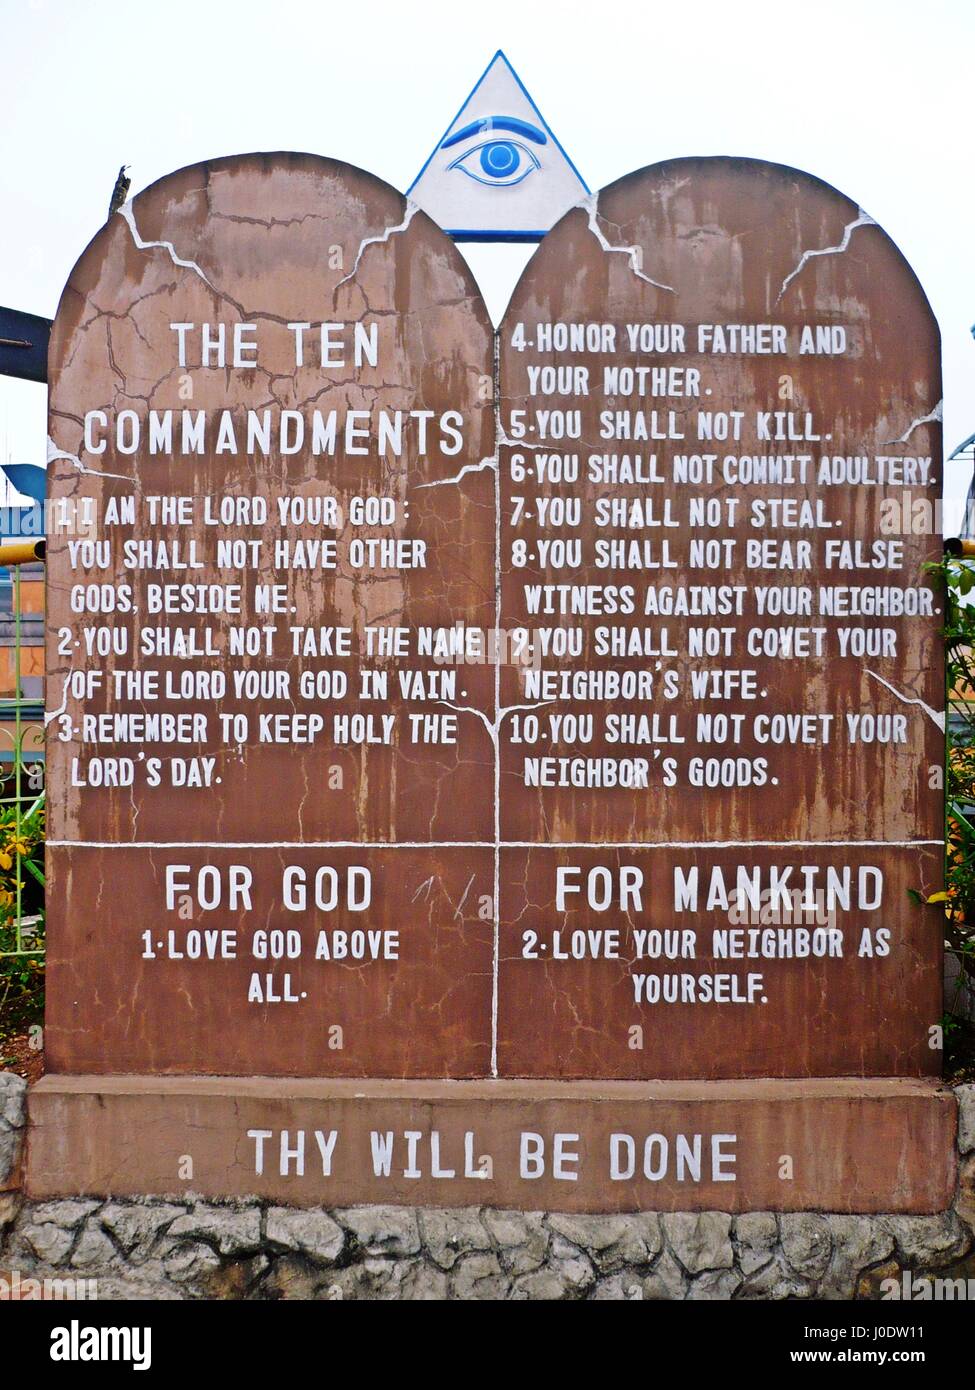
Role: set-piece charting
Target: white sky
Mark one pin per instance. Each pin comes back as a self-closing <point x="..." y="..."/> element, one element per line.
<point x="875" y="96"/>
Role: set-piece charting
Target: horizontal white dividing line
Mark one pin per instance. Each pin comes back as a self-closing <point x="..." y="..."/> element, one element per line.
<point x="491" y="844"/>
<point x="271" y="844"/>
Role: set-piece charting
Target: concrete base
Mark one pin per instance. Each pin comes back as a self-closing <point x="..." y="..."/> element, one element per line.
<point x="843" y="1145"/>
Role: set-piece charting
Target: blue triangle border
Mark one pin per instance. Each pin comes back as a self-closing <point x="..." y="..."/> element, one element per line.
<point x="472" y="235"/>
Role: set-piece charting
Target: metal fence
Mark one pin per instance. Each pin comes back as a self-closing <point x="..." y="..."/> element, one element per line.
<point x="22" y="794"/>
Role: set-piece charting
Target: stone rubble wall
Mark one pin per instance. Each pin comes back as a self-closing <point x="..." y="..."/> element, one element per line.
<point x="194" y="1249"/>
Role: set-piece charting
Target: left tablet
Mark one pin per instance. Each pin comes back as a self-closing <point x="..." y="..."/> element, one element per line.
<point x="271" y="590"/>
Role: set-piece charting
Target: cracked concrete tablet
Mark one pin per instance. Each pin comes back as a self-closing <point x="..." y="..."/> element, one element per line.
<point x="264" y="374"/>
<point x="506" y="738"/>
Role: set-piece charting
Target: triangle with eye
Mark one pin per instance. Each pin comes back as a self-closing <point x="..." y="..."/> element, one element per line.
<point x="498" y="173"/>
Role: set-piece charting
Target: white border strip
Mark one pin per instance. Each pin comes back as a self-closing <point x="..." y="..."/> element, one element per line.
<point x="491" y="844"/>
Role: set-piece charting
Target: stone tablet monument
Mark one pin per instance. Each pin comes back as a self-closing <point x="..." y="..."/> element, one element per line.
<point x="495" y="772"/>
<point x="719" y="471"/>
<point x="249" y="654"/>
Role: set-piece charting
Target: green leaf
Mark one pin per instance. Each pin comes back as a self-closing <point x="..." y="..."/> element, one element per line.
<point x="32" y="868"/>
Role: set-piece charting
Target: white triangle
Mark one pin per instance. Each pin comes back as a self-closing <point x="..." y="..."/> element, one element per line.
<point x="506" y="178"/>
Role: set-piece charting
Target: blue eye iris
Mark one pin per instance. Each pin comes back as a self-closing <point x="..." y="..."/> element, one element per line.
<point x="499" y="158"/>
<point x="500" y="163"/>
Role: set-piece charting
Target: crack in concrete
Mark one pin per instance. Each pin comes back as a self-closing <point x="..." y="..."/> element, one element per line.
<point x="634" y="253"/>
<point x="486" y="463"/>
<point x="937" y="718"/>
<point x="49" y="715"/>
<point x="54" y="453"/>
<point x="493" y="725"/>
<point x="126" y="212"/>
<point x="411" y="210"/>
<point x="934" y="417"/>
<point x="862" y="219"/>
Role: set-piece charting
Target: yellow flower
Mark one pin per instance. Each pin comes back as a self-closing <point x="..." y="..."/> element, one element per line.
<point x="5" y="860"/>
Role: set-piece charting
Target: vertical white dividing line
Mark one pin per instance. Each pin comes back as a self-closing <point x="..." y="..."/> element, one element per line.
<point x="496" y="714"/>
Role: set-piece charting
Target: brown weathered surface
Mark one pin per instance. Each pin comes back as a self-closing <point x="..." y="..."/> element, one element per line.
<point x="858" y="1146"/>
<point x="725" y="235"/>
<point x="726" y="242"/>
<point x="261" y="229"/>
<point x="410" y="989"/>
<point x="271" y="240"/>
<point x="818" y="1015"/>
